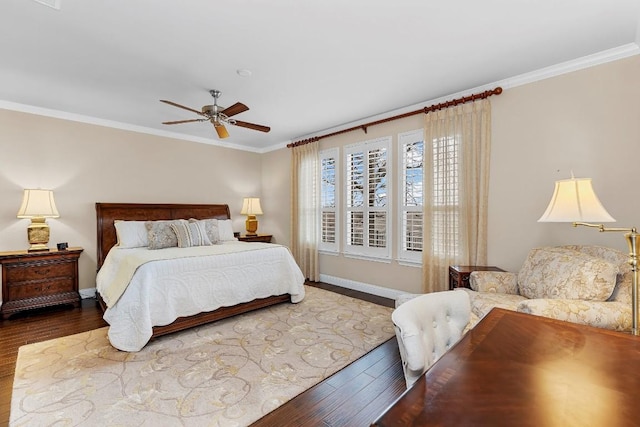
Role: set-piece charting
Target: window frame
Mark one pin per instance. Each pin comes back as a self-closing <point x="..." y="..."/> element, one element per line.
<point x="367" y="251"/>
<point x="327" y="247"/>
<point x="405" y="138"/>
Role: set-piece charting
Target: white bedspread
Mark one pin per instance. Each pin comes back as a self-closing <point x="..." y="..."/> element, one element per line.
<point x="161" y="290"/>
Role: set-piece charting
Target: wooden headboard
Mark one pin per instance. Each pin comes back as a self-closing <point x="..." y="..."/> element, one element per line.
<point x="107" y="213"/>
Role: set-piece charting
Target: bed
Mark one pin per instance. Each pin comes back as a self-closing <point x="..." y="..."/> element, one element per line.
<point x="130" y="313"/>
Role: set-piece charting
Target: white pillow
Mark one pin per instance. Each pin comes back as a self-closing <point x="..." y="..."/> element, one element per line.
<point x="131" y="234"/>
<point x="225" y="230"/>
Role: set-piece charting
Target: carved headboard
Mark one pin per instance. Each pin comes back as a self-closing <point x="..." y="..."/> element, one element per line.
<point x="107" y="213"/>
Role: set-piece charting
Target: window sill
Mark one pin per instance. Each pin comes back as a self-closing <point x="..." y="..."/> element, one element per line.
<point x="409" y="263"/>
<point x="330" y="253"/>
<point x="367" y="257"/>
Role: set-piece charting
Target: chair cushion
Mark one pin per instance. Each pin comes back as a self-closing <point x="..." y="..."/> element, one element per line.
<point x="497" y="282"/>
<point x="560" y="273"/>
<point x="602" y="314"/>
<point x="483" y="302"/>
<point x="622" y="290"/>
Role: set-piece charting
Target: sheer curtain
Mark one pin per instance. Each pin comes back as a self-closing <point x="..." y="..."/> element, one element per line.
<point x="305" y="208"/>
<point x="456" y="183"/>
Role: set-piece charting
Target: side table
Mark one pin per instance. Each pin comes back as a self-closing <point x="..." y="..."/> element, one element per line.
<point x="264" y="238"/>
<point x="459" y="274"/>
<point x="39" y="279"/>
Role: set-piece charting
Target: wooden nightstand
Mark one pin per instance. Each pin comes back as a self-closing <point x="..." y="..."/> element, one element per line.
<point x="264" y="238"/>
<point x="39" y="279"/>
<point x="459" y="274"/>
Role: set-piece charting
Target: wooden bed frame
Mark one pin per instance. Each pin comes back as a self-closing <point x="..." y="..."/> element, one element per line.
<point x="108" y="213"/>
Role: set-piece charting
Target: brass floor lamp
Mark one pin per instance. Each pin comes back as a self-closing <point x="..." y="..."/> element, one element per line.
<point x="575" y="201"/>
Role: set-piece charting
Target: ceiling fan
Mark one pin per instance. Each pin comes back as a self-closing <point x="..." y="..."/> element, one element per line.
<point x="218" y="116"/>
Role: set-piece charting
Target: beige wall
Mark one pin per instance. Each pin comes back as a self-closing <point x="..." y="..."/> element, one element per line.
<point x="85" y="164"/>
<point x="276" y="200"/>
<point x="588" y="121"/>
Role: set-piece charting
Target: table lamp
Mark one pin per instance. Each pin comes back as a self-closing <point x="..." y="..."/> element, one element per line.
<point x="575" y="201"/>
<point x="38" y="205"/>
<point x="251" y="208"/>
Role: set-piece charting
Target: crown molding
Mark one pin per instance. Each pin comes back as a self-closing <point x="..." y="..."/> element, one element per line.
<point x="588" y="61"/>
<point x="23" y="108"/>
<point x="599" y="58"/>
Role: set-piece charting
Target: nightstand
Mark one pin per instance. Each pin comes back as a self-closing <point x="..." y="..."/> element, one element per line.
<point x="264" y="238"/>
<point x="459" y="274"/>
<point x="39" y="279"/>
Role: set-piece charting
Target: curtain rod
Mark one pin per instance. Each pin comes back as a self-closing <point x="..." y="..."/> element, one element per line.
<point x="425" y="110"/>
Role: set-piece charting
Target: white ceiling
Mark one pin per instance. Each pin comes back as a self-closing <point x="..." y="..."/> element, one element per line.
<point x="316" y="64"/>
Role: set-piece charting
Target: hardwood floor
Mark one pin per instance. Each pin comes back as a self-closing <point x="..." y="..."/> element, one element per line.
<point x="354" y="396"/>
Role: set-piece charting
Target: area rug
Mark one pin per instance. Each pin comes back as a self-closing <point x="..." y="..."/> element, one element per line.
<point x="228" y="373"/>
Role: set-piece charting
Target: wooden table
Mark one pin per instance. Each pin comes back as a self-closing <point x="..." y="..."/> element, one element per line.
<point x="515" y="369"/>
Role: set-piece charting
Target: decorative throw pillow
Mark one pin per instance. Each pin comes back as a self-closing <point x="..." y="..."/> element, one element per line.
<point x="131" y="234"/>
<point x="161" y="235"/>
<point x="225" y="230"/>
<point x="559" y="273"/>
<point x="210" y="226"/>
<point x="190" y="234"/>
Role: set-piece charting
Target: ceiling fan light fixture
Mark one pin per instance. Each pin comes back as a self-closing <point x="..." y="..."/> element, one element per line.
<point x="221" y="130"/>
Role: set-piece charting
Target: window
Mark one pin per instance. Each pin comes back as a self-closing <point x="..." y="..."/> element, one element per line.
<point x="367" y="199"/>
<point x="411" y="145"/>
<point x="329" y="226"/>
<point x="359" y="219"/>
<point x="445" y="226"/>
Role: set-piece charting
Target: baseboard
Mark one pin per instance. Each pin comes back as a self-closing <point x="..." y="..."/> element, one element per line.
<point x="362" y="287"/>
<point x="87" y="293"/>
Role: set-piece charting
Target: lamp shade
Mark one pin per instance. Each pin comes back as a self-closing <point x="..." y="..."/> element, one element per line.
<point x="251" y="206"/>
<point x="574" y="200"/>
<point x="38" y="204"/>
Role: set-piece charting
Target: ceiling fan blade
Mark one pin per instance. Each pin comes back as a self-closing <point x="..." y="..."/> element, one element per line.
<point x="221" y="131"/>
<point x="182" y="121"/>
<point x="252" y="126"/>
<point x="236" y="108"/>
<point x="181" y="106"/>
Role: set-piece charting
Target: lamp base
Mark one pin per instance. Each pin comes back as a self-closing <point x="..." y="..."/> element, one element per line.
<point x="38" y="235"/>
<point x="252" y="225"/>
<point x="38" y="247"/>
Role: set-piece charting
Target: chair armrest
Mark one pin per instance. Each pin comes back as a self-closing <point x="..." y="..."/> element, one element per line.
<point x="500" y="282"/>
<point x="602" y="314"/>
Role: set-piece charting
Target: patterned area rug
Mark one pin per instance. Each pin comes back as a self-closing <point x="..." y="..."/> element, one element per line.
<point x="228" y="373"/>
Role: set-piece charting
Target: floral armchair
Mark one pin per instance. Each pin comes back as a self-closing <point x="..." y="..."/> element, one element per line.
<point x="583" y="284"/>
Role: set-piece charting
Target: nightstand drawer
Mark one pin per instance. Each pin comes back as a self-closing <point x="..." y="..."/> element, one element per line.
<point x="40" y="287"/>
<point x="40" y="270"/>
